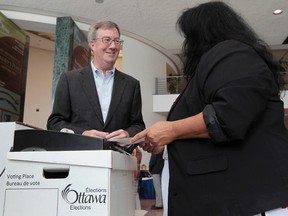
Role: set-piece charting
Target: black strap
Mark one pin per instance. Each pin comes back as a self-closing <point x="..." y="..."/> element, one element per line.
<point x="263" y="214"/>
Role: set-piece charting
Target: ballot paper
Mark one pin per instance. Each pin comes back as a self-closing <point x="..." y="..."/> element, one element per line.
<point x="126" y="141"/>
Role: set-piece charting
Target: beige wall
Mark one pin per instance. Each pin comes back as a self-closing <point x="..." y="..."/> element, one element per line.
<point x="38" y="87"/>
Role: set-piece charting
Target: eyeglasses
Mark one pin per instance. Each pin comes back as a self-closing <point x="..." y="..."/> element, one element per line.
<point x="108" y="40"/>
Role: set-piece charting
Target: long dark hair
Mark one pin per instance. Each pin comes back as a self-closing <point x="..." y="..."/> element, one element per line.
<point x="208" y="24"/>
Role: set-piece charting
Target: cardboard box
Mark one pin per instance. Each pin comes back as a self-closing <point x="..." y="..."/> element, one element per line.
<point x="69" y="183"/>
<point x="7" y="138"/>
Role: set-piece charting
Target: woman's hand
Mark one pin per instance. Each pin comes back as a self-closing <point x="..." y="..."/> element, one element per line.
<point x="165" y="132"/>
<point x="156" y="136"/>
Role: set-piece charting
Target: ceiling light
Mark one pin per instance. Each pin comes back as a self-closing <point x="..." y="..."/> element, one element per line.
<point x="277" y="12"/>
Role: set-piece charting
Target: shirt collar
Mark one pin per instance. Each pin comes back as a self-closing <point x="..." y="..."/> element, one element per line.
<point x="94" y="69"/>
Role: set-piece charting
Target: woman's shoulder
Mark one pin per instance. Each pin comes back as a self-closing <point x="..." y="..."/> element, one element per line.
<point x="230" y="54"/>
<point x="231" y="48"/>
<point x="229" y="45"/>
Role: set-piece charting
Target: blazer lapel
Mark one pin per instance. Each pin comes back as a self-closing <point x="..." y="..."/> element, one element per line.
<point x="117" y="92"/>
<point x="89" y="87"/>
<point x="177" y="99"/>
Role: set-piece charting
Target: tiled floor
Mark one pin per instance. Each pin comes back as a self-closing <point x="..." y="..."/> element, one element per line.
<point x="146" y="205"/>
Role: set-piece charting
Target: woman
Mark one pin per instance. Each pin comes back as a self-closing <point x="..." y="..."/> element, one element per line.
<point x="225" y="136"/>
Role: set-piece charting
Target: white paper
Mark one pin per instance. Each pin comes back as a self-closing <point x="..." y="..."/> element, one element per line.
<point x="126" y="141"/>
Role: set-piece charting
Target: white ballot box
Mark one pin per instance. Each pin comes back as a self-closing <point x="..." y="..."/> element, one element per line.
<point x="7" y="130"/>
<point x="69" y="183"/>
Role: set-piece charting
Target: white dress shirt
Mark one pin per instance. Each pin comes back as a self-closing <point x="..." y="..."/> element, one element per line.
<point x="104" y="86"/>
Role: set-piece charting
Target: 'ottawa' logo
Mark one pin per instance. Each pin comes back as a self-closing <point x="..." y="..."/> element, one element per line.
<point x="72" y="196"/>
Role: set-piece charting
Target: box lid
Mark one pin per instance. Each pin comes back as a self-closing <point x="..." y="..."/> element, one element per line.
<point x="104" y="158"/>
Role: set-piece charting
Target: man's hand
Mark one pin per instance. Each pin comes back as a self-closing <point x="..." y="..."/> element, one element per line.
<point x="119" y="134"/>
<point x="95" y="133"/>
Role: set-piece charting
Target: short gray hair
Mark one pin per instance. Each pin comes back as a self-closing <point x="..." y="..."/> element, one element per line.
<point x="101" y="25"/>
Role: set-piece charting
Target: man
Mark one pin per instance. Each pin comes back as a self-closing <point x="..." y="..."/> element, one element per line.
<point x="99" y="100"/>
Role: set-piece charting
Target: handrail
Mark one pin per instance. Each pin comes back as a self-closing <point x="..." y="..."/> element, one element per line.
<point x="169" y="85"/>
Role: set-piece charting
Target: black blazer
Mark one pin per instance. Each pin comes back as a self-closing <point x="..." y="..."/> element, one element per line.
<point x="156" y="163"/>
<point x="77" y="107"/>
<point x="249" y="173"/>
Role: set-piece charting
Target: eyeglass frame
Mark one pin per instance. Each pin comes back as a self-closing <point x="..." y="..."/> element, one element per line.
<point x="117" y="41"/>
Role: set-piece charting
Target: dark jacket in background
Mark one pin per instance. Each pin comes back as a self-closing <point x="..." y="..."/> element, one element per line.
<point x="156" y="163"/>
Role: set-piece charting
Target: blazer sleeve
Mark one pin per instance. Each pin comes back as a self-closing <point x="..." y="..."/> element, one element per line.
<point x="61" y="113"/>
<point x="136" y="119"/>
<point x="237" y="83"/>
